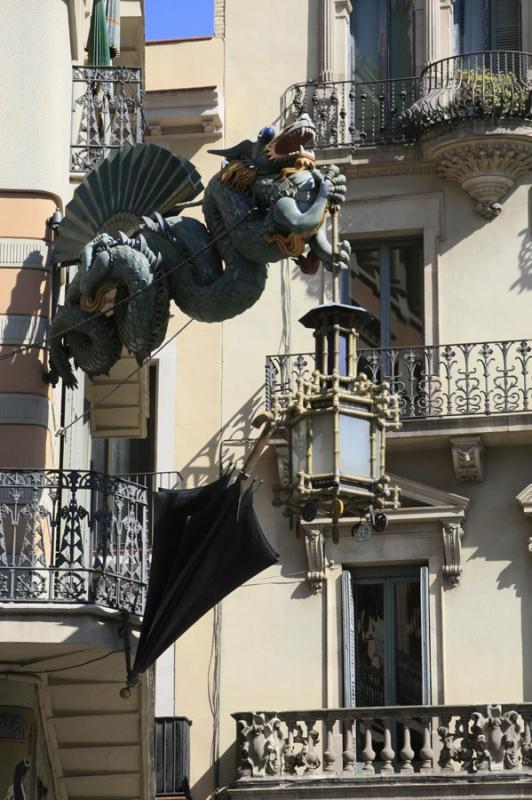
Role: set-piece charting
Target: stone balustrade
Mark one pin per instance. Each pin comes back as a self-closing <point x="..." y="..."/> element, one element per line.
<point x="397" y="740"/>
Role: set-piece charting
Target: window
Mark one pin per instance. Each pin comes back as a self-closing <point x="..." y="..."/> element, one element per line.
<point x="386" y="278"/>
<point x="486" y="25"/>
<point x="386" y="637"/>
<point x="382" y="34"/>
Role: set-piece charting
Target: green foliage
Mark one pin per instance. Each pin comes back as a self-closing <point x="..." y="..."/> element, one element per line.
<point x="481" y="93"/>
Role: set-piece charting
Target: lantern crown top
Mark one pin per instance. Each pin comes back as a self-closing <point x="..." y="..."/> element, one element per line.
<point x="348" y="316"/>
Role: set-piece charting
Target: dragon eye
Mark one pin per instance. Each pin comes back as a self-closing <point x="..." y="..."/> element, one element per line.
<point x="266" y="134"/>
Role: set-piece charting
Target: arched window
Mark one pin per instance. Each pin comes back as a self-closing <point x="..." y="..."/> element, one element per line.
<point x="486" y="25"/>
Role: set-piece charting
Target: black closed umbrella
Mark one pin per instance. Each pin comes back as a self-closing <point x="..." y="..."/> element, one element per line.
<point x="207" y="542"/>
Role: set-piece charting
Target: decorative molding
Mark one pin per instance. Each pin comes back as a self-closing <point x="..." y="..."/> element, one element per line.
<point x="524" y="499"/>
<point x="452" y="551"/>
<point x="429" y="495"/>
<point x="389" y="169"/>
<point x="23" y="329"/>
<point x="219" y="17"/>
<point x="316" y="563"/>
<point x="25" y="253"/>
<point x="23" y="409"/>
<point x="467" y="458"/>
<point x="486" y="166"/>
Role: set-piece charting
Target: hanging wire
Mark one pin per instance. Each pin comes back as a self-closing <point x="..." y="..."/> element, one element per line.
<point x="108" y="312"/>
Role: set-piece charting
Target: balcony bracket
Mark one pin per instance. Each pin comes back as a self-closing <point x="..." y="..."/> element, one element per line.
<point x="316" y="560"/>
<point x="485" y="159"/>
<point x="453" y="533"/>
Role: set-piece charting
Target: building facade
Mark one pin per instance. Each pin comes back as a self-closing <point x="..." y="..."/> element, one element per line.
<point x="290" y="683"/>
<point x="396" y="664"/>
<point x="66" y="592"/>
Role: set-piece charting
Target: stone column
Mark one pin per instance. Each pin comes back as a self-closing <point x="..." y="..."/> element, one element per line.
<point x="335" y="40"/>
<point x="327" y="72"/>
<point x="445" y="38"/>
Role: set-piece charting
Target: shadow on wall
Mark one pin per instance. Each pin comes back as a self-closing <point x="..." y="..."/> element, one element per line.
<point x="228" y="447"/>
<point x="221" y="773"/>
<point x="524" y="281"/>
<point x="496" y="532"/>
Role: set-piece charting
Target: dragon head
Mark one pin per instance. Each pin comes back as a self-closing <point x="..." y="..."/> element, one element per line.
<point x="272" y="151"/>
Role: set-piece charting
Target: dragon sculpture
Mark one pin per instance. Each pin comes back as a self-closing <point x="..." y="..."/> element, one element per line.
<point x="268" y="202"/>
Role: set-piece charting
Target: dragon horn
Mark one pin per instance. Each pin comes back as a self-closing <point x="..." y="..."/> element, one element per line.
<point x="150" y="224"/>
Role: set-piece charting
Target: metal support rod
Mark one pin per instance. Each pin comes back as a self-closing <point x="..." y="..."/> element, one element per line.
<point x="334" y="270"/>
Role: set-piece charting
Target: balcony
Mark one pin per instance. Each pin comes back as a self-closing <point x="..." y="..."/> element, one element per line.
<point x="73" y="537"/>
<point x="107" y="112"/>
<point x="470" y="114"/>
<point x="350" y="114"/>
<point x="438" y="751"/>
<point x="436" y="385"/>
<point x="487" y="85"/>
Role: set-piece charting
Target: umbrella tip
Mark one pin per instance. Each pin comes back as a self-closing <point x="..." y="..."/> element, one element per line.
<point x="125" y="693"/>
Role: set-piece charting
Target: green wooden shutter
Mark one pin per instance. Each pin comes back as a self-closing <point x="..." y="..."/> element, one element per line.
<point x="348" y="640"/>
<point x="425" y="635"/>
<point x="506" y="24"/>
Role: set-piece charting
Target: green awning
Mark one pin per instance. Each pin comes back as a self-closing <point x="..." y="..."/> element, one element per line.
<point x="98" y="41"/>
<point x="112" y="8"/>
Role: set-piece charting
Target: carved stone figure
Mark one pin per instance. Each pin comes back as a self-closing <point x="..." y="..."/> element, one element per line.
<point x="268" y="202"/>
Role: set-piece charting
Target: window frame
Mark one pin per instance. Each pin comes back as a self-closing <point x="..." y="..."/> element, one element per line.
<point x="385" y="245"/>
<point x="388" y="575"/>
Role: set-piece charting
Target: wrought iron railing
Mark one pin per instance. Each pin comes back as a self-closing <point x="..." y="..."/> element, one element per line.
<point x="348" y="113"/>
<point x="73" y="537"/>
<point x="153" y="481"/>
<point x="107" y="112"/>
<point x="485" y="85"/>
<point x="432" y="381"/>
<point x="410" y="740"/>
<point x="476" y="85"/>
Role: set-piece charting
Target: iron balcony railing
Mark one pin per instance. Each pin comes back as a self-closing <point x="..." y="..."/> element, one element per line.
<point x="441" y="381"/>
<point x="107" y="112"/>
<point x="488" y="84"/>
<point x="352" y="743"/>
<point x="353" y="114"/>
<point x="73" y="537"/>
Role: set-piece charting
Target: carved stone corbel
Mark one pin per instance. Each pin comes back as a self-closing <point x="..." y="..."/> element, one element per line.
<point x="452" y="551"/>
<point x="467" y="458"/>
<point x="281" y="452"/>
<point x="316" y="563"/>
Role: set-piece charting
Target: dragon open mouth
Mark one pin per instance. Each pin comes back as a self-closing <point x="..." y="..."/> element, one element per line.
<point x="296" y="141"/>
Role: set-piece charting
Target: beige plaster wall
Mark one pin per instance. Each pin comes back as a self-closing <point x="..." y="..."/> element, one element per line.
<point x="486" y="619"/>
<point x="35" y="96"/>
<point x="184" y="64"/>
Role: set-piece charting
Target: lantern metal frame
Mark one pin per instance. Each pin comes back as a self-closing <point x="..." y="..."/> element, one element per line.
<point x="334" y="391"/>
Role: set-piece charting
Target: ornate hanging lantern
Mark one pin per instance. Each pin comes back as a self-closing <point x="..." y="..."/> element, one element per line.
<point x="336" y="424"/>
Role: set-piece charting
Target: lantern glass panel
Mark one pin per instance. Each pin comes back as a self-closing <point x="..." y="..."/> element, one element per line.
<point x="355" y="446"/>
<point x="322" y="443"/>
<point x="298" y="433"/>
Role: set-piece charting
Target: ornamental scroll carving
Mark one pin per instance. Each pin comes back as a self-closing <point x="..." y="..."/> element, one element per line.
<point x="269" y="747"/>
<point x="316" y="562"/>
<point x="494" y="741"/>
<point x="452" y="552"/>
